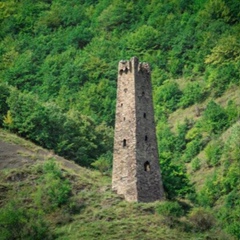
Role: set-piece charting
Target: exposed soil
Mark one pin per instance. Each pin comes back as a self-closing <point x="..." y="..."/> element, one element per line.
<point x="14" y="156"/>
<point x="17" y="156"/>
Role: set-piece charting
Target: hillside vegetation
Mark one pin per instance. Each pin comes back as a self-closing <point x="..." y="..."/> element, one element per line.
<point x="58" y="70"/>
<point x="49" y="197"/>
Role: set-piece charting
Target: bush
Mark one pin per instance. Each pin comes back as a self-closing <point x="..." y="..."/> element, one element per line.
<point x="201" y="219"/>
<point x="168" y="95"/>
<point x="54" y="189"/>
<point x="196" y="164"/>
<point x="213" y="153"/>
<point x="211" y="191"/>
<point x="232" y="111"/>
<point x="175" y="180"/>
<point x="192" y="149"/>
<point x="103" y="163"/>
<point x="4" y="90"/>
<point x="231" y="148"/>
<point x="215" y="118"/>
<point x="229" y="213"/>
<point x="192" y="93"/>
<point x="19" y="223"/>
<point x="167" y="209"/>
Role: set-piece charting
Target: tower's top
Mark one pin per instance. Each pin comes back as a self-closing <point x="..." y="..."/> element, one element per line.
<point x="133" y="65"/>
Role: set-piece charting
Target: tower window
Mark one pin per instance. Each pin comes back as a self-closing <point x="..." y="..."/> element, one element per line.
<point x="124" y="119"/>
<point x="121" y="104"/>
<point x="147" y="166"/>
<point x="144" y="115"/>
<point x="146" y="137"/>
<point x="123" y="71"/>
<point x="143" y="93"/>
<point x="124" y="142"/>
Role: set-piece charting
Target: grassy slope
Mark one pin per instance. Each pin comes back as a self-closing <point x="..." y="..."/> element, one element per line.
<point x="98" y="213"/>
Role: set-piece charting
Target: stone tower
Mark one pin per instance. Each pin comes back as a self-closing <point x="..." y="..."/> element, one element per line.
<point x="136" y="171"/>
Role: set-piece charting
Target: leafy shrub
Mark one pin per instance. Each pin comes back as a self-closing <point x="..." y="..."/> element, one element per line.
<point x="175" y="180"/>
<point x="232" y="111"/>
<point x="168" y="208"/>
<point x="219" y="78"/>
<point x="168" y="95"/>
<point x="19" y="223"/>
<point x="231" y="148"/>
<point x="145" y="37"/>
<point x="4" y="90"/>
<point x="211" y="191"/>
<point x="192" y="93"/>
<point x="180" y="141"/>
<point x="103" y="163"/>
<point x="192" y="149"/>
<point x="213" y="153"/>
<point x="229" y="213"/>
<point x="54" y="189"/>
<point x="215" y="118"/>
<point x="201" y="219"/>
<point x="196" y="164"/>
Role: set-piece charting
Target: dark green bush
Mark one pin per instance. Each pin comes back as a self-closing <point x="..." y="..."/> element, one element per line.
<point x="211" y="191"/>
<point x="175" y="180"/>
<point x="17" y="222"/>
<point x="54" y="189"/>
<point x="173" y="209"/>
<point x="192" y="93"/>
<point x="221" y="77"/>
<point x="4" y="94"/>
<point x="192" y="149"/>
<point x="168" y="95"/>
<point x="201" y="219"/>
<point x="196" y="164"/>
<point x="229" y="213"/>
<point x="215" y="118"/>
<point x="213" y="153"/>
<point x="232" y="111"/>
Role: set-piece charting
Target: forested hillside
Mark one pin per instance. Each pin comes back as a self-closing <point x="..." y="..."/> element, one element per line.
<point x="58" y="70"/>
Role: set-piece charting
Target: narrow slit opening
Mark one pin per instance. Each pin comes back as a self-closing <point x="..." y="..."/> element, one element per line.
<point x="147" y="166"/>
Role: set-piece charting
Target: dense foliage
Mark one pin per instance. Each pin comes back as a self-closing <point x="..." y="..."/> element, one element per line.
<point x="58" y="62"/>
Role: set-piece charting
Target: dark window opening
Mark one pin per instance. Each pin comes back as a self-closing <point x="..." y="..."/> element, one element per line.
<point x="124" y="119"/>
<point x="124" y="142"/>
<point x="121" y="104"/>
<point x="146" y="138"/>
<point x="143" y="93"/>
<point x="144" y="115"/>
<point x="123" y="71"/>
<point x="147" y="166"/>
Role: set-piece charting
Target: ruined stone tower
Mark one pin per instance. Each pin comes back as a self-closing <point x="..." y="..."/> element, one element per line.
<point x="136" y="171"/>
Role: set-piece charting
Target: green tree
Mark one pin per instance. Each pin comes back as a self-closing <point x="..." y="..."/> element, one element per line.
<point x="5" y="92"/>
<point x="168" y="95"/>
<point x="215" y="118"/>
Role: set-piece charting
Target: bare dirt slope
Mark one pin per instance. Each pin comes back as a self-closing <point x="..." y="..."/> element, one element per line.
<point x="14" y="156"/>
<point x="16" y="152"/>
